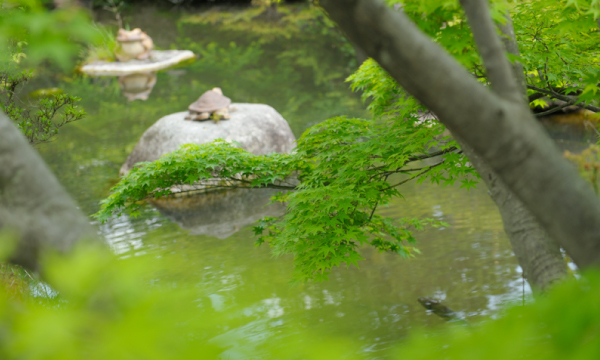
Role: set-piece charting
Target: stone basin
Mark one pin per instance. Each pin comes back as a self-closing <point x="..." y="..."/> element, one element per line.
<point x="159" y="60"/>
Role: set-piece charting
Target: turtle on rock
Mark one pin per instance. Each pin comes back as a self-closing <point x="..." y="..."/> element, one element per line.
<point x="212" y="104"/>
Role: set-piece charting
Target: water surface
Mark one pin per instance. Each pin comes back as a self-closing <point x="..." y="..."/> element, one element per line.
<point x="301" y="74"/>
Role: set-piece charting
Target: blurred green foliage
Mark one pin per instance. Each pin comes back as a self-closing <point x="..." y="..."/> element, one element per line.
<point x="48" y="35"/>
<point x="15" y="281"/>
<point x="101" y="307"/>
<point x="103" y="48"/>
<point x="564" y="324"/>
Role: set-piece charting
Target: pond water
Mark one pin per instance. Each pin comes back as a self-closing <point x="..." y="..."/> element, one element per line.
<point x="298" y="67"/>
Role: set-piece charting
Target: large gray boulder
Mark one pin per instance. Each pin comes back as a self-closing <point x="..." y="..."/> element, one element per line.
<point x="258" y="128"/>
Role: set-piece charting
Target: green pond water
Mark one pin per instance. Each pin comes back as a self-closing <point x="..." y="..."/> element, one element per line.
<point x="299" y="68"/>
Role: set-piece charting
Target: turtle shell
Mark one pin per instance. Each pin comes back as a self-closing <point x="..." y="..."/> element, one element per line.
<point x="209" y="102"/>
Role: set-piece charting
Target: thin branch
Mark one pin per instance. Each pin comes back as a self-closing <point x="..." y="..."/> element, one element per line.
<point x="431" y="155"/>
<point x="273" y="186"/>
<point x="588" y="124"/>
<point x="535" y="96"/>
<point x="563" y="97"/>
<point x="553" y="110"/>
<point x="209" y="188"/>
<point x="546" y="78"/>
<point x="414" y="176"/>
<point x="413" y="159"/>
<point x="376" y="203"/>
<point x="415" y="169"/>
<point x="416" y="158"/>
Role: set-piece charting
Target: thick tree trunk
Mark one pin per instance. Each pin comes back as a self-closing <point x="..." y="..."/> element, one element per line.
<point x="32" y="202"/>
<point x="538" y="254"/>
<point x="496" y="124"/>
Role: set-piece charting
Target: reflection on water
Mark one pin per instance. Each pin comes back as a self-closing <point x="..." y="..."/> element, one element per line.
<point x="572" y="131"/>
<point x="219" y="213"/>
<point x="137" y="86"/>
<point x="134" y="86"/>
<point x="469" y="264"/>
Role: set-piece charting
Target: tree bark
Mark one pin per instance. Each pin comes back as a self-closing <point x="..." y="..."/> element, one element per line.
<point x="499" y="71"/>
<point x="538" y="254"/>
<point x="509" y="41"/>
<point x="498" y="126"/>
<point x="32" y="202"/>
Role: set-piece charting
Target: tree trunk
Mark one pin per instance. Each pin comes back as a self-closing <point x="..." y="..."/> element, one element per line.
<point x="32" y="202"/>
<point x="497" y="124"/>
<point x="537" y="253"/>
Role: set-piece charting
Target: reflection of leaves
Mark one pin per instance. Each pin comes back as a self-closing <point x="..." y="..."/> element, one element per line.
<point x="300" y="57"/>
<point x="232" y="58"/>
<point x="301" y="77"/>
<point x="291" y="21"/>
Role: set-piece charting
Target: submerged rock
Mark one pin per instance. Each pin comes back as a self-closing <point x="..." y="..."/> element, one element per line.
<point x="258" y="128"/>
<point x="219" y="213"/>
